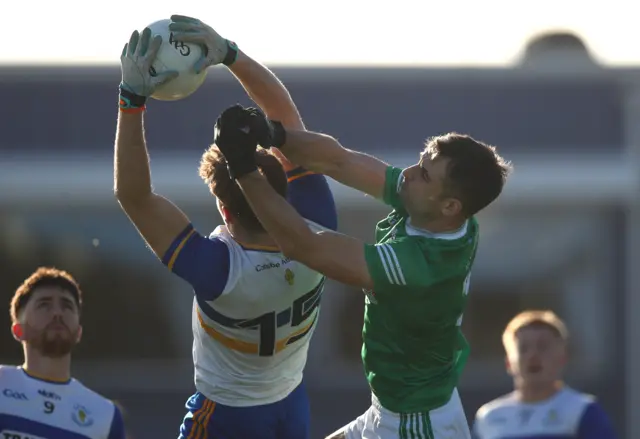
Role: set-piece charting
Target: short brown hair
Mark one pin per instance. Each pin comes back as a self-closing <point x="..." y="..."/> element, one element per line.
<point x="476" y="173"/>
<point x="44" y="277"/>
<point x="534" y="318"/>
<point x="213" y="170"/>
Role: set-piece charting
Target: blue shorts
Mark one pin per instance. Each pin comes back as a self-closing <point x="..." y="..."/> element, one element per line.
<point x="288" y="418"/>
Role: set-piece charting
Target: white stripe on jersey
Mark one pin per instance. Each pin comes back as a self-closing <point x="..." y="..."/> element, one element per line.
<point x="399" y="183"/>
<point x="391" y="264"/>
<point x="384" y="262"/>
<point x="397" y="264"/>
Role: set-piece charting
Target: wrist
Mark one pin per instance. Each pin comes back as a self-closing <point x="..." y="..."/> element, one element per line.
<point x="279" y="134"/>
<point x="232" y="53"/>
<point x="129" y="101"/>
<point x="241" y="167"/>
<point x="251" y="176"/>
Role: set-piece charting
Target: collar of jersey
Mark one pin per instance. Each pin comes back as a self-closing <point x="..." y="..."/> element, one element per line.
<point x="456" y="234"/>
<point x="44" y="379"/>
<point x="259" y="248"/>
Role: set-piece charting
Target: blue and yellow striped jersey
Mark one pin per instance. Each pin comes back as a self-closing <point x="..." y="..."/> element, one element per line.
<point x="254" y="310"/>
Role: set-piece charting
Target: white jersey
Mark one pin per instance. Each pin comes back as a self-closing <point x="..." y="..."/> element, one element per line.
<point x="567" y="414"/>
<point x="32" y="408"/>
<point x="250" y="343"/>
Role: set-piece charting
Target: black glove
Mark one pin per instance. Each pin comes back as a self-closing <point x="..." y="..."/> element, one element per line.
<point x="270" y="133"/>
<point x="235" y="141"/>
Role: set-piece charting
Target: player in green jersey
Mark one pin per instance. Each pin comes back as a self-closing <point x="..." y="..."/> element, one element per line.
<point x="416" y="276"/>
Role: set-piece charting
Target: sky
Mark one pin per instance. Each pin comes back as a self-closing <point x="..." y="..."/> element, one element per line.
<point x="342" y="32"/>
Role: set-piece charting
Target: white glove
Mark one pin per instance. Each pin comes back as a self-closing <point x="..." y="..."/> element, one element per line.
<point x="217" y="49"/>
<point x="135" y="62"/>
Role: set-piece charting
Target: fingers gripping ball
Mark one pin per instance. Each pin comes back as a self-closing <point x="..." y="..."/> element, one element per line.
<point x="177" y="56"/>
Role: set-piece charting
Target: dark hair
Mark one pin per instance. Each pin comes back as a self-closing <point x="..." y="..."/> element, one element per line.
<point x="213" y="170"/>
<point x="44" y="277"/>
<point x="476" y="173"/>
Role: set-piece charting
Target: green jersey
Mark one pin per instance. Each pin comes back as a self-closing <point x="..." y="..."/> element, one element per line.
<point x="413" y="350"/>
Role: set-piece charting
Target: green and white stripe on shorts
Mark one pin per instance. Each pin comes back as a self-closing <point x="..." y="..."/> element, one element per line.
<point x="415" y="426"/>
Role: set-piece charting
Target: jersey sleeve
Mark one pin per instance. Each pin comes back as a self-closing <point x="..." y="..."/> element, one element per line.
<point x="117" y="430"/>
<point x="203" y="262"/>
<point x="392" y="182"/>
<point x="595" y="424"/>
<point x="311" y="196"/>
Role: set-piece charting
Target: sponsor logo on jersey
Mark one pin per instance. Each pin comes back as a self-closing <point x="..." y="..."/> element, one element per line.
<point x="289" y="276"/>
<point x="14" y="394"/>
<point x="48" y="394"/>
<point x="81" y="416"/>
<point x="552" y="418"/>
<point x="270" y="265"/>
<point x="12" y="434"/>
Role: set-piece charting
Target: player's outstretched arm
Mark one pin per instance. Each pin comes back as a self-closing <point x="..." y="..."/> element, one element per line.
<point x="315" y="152"/>
<point x="335" y="255"/>
<point x="156" y="218"/>
<point x="259" y="82"/>
<point x="266" y="90"/>
<point x="382" y="267"/>
<point x="323" y="154"/>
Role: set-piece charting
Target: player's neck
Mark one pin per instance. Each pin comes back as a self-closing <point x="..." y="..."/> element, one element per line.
<point x="46" y="368"/>
<point x="252" y="238"/>
<point x="538" y="393"/>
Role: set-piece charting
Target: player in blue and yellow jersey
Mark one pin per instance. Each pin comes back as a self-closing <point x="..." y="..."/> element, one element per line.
<point x="254" y="310"/>
<point x="40" y="399"/>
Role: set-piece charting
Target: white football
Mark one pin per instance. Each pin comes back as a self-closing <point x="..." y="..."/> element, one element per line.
<point x="177" y="56"/>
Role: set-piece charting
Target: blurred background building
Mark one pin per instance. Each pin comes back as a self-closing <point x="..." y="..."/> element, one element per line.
<point x="563" y="236"/>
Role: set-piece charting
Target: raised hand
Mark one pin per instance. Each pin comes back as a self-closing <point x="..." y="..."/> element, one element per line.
<point x="217" y="50"/>
<point x="137" y="57"/>
<point x="236" y="142"/>
<point x="268" y="132"/>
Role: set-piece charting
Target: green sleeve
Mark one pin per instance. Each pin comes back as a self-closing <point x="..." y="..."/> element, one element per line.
<point x="392" y="181"/>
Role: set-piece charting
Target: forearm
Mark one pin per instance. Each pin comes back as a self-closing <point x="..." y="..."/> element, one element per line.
<point x="324" y="155"/>
<point x="132" y="176"/>
<point x="266" y="90"/>
<point x="315" y="151"/>
<point x="277" y="216"/>
<point x="335" y="255"/>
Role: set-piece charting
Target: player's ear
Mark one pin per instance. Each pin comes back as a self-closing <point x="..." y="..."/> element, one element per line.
<point x="507" y="365"/>
<point x="226" y="215"/>
<point x="79" y="334"/>
<point x="17" y="331"/>
<point x="224" y="212"/>
<point x="451" y="207"/>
